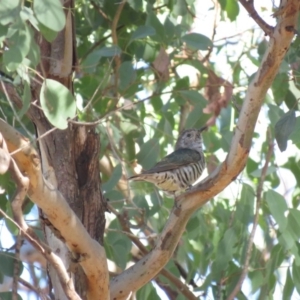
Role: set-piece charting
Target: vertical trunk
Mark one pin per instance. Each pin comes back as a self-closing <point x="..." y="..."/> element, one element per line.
<point x="69" y="157"/>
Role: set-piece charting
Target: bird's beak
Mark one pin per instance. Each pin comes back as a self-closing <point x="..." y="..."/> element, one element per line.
<point x="203" y="128"/>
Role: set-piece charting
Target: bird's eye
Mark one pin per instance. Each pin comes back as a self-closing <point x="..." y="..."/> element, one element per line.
<point x="188" y="135"/>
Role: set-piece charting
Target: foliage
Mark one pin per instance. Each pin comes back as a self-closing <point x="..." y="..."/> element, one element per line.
<point x="143" y="80"/>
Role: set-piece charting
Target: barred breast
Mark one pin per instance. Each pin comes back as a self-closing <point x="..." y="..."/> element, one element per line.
<point x="176" y="180"/>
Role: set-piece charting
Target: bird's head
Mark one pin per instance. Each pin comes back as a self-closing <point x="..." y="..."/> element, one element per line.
<point x="190" y="138"/>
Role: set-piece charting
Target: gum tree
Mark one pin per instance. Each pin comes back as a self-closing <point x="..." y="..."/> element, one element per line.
<point x="90" y="91"/>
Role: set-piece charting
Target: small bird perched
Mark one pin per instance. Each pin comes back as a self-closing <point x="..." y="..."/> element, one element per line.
<point x="180" y="169"/>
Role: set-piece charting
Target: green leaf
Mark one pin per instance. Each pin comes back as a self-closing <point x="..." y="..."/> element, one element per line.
<point x="280" y="87"/>
<point x="120" y="245"/>
<point x="289" y="286"/>
<point x="145" y="291"/>
<point x="180" y="8"/>
<point x="293" y="225"/>
<point x="245" y="209"/>
<point x="114" y="179"/>
<point x="290" y="100"/>
<point x="153" y="295"/>
<point x="232" y="9"/>
<point x="91" y="62"/>
<point x="57" y="103"/>
<point x="296" y="276"/>
<point x="192" y="227"/>
<point x="109" y="51"/>
<point x="278" y="207"/>
<point x="8" y="296"/>
<point x="50" y="13"/>
<point x="275" y="113"/>
<point x="11" y="226"/>
<point x="26" y="98"/>
<point x="49" y="34"/>
<point x="127" y="75"/>
<point x="19" y="47"/>
<point x="3" y="32"/>
<point x="224" y="252"/>
<point x="154" y="22"/>
<point x="193" y="96"/>
<point x="257" y="173"/>
<point x="148" y="154"/>
<point x="121" y="252"/>
<point x="283" y="128"/>
<point x="27" y="14"/>
<point x="142" y="32"/>
<point x="197" y="41"/>
<point x="9" y="11"/>
<point x="196" y="118"/>
<point x="7" y="261"/>
<point x="257" y="280"/>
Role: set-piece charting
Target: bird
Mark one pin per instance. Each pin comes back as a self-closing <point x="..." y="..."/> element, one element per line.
<point x="180" y="169"/>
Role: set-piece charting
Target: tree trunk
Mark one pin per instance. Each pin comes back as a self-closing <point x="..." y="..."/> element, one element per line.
<point x="69" y="157"/>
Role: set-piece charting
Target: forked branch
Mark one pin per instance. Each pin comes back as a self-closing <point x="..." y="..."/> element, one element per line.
<point x="22" y="183"/>
<point x="50" y="200"/>
<point x="149" y="266"/>
<point x="249" y="6"/>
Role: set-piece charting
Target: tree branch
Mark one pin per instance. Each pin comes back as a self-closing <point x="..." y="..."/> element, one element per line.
<point x="249" y="6"/>
<point x="256" y="217"/>
<point x="150" y="265"/>
<point x="22" y="183"/>
<point x="59" y="213"/>
<point x="182" y="288"/>
<point x="40" y="294"/>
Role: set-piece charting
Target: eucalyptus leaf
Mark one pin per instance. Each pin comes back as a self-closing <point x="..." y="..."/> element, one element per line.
<point x="9" y="296"/>
<point x="9" y="11"/>
<point x="197" y="41"/>
<point x="49" y="34"/>
<point x="7" y="261"/>
<point x="155" y="23"/>
<point x="50" y="13"/>
<point x="278" y="207"/>
<point x="142" y="32"/>
<point x="20" y="43"/>
<point x="148" y="154"/>
<point x="283" y="128"/>
<point x="109" y="51"/>
<point x="26" y="98"/>
<point x="127" y="75"/>
<point x="296" y="276"/>
<point x="57" y="103"/>
<point x="232" y="9"/>
<point x="289" y="285"/>
<point x="114" y="178"/>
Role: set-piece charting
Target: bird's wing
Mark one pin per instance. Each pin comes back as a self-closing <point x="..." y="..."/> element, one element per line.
<point x="178" y="158"/>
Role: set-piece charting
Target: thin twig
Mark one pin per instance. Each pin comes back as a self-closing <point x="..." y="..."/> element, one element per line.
<point x="112" y="144"/>
<point x="249" y="6"/>
<point x="39" y="293"/>
<point x="216" y="15"/>
<point x="13" y="108"/>
<point x="16" y="267"/>
<point x="97" y="89"/>
<point x="34" y="140"/>
<point x="259" y="191"/>
<point x="115" y="40"/>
